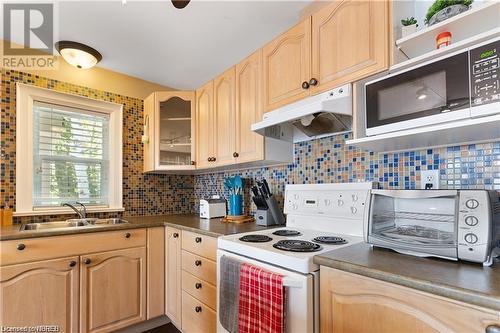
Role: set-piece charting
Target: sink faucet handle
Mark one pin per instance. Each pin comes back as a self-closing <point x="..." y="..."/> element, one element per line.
<point x="83" y="208"/>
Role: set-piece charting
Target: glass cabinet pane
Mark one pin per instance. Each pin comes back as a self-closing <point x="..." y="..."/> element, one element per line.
<point x="175" y="131"/>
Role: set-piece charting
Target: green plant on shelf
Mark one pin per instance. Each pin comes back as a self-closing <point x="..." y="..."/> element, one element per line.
<point x="441" y="4"/>
<point x="409" y="21"/>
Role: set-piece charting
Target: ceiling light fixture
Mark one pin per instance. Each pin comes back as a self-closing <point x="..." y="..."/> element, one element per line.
<point x="180" y="4"/>
<point x="78" y="54"/>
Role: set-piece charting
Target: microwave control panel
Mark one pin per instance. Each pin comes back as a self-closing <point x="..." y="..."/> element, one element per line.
<point x="485" y="74"/>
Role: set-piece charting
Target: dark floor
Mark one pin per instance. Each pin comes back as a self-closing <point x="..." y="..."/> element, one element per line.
<point x="168" y="328"/>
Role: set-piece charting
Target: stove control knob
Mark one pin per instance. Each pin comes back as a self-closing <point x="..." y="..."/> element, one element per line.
<point x="471" y="221"/>
<point x="296" y="196"/>
<point x="294" y="206"/>
<point x="471" y="238"/>
<point x="472" y="203"/>
<point x="327" y="202"/>
<point x="354" y="197"/>
<point x="340" y="202"/>
<point x="354" y="210"/>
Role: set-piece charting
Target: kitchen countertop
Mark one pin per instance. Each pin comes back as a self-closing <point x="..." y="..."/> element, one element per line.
<point x="462" y="281"/>
<point x="190" y="222"/>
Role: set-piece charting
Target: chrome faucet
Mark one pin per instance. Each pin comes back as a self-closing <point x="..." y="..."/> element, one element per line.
<point x="81" y="213"/>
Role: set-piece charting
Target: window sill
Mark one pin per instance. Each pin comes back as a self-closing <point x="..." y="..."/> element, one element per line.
<point x="60" y="211"/>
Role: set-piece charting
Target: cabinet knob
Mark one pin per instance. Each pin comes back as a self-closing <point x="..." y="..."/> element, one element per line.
<point x="127" y="235"/>
<point x="235" y="154"/>
<point x="87" y="261"/>
<point x="492" y="329"/>
<point x="197" y="262"/>
<point x="175" y="235"/>
<point x="197" y="309"/>
<point x="197" y="285"/>
<point x="21" y="246"/>
<point x="313" y="82"/>
<point x="193" y="162"/>
<point x="197" y="239"/>
<point x="213" y="159"/>
<point x="305" y="85"/>
<point x="72" y="263"/>
<point x="209" y="159"/>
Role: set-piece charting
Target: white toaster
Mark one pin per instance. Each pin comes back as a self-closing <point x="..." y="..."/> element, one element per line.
<point x="212" y="208"/>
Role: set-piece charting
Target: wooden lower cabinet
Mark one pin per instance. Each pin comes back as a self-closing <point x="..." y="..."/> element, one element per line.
<point x="40" y="293"/>
<point x="352" y="303"/>
<point x="113" y="289"/>
<point x="196" y="316"/>
<point x="173" y="278"/>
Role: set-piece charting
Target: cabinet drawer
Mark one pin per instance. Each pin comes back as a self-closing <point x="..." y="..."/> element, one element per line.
<point x="33" y="249"/>
<point x="204" y="246"/>
<point x="199" y="289"/>
<point x="196" y="316"/>
<point x="198" y="266"/>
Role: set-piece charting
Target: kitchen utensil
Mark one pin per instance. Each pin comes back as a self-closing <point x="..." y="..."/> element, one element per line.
<point x="266" y="185"/>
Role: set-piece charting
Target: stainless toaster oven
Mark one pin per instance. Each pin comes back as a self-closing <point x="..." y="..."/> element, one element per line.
<point x="451" y="224"/>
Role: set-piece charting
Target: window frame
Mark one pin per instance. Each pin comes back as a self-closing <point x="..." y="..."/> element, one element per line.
<point x="26" y="95"/>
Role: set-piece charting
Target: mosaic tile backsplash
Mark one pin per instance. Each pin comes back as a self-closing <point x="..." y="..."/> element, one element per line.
<point x="330" y="160"/>
<point x="142" y="194"/>
<point x="326" y="160"/>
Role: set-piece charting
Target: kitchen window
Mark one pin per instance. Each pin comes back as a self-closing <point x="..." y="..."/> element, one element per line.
<point x="69" y="148"/>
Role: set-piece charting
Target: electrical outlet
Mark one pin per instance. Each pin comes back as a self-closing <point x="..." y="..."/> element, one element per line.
<point x="429" y="179"/>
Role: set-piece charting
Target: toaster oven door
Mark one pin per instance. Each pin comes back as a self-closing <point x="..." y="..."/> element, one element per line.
<point x="422" y="222"/>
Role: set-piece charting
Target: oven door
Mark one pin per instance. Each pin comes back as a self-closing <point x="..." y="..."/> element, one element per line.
<point x="419" y="222"/>
<point x="302" y="295"/>
<point x="435" y="92"/>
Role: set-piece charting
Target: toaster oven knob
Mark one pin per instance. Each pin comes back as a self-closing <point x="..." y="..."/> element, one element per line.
<point x="470" y="238"/>
<point x="471" y="221"/>
<point x="472" y="203"/>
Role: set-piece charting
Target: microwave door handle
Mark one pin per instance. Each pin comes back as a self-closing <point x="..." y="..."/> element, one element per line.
<point x="421" y="194"/>
<point x="291" y="283"/>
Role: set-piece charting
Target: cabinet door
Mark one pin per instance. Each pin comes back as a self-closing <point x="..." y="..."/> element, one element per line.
<point x="224" y="104"/>
<point x="40" y="293"/>
<point x="287" y="64"/>
<point x="156" y="272"/>
<point x="174" y="130"/>
<point x="354" y="303"/>
<point x="249" y="145"/>
<point x="205" y="125"/>
<point x="113" y="289"/>
<point x="173" y="276"/>
<point x="350" y="40"/>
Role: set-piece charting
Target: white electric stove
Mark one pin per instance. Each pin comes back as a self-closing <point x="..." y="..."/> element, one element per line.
<point x="319" y="218"/>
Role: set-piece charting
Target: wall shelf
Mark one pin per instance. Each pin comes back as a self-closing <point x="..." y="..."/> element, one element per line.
<point x="475" y="21"/>
<point x="473" y="130"/>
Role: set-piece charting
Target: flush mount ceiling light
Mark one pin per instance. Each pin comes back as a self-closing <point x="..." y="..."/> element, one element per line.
<point x="78" y="54"/>
<point x="180" y="4"/>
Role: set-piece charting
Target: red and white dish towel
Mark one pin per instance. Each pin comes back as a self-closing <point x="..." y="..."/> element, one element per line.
<point x="262" y="301"/>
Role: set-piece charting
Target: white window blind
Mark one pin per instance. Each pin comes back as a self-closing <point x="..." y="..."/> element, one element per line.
<point x="70" y="156"/>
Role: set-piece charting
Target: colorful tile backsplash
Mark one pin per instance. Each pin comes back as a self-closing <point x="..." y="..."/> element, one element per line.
<point x="142" y="194"/>
<point x="330" y="160"/>
<point x="326" y="160"/>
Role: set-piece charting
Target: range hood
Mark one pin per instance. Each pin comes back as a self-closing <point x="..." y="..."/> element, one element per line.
<point x="316" y="116"/>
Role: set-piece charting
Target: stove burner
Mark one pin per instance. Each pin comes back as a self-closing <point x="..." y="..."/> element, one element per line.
<point x="286" y="232"/>
<point x="332" y="240"/>
<point x="294" y="245"/>
<point x="256" y="238"/>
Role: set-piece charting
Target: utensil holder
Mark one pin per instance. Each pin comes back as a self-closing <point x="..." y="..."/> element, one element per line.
<point x="275" y="210"/>
<point x="235" y="204"/>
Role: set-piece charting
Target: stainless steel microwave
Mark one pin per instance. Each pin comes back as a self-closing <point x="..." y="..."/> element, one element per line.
<point x="451" y="224"/>
<point x="461" y="85"/>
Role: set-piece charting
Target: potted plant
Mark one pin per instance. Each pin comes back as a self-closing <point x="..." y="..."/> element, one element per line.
<point x="444" y="9"/>
<point x="409" y="26"/>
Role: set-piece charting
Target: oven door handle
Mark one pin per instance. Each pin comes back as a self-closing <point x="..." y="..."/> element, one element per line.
<point x="291" y="283"/>
<point x="416" y="194"/>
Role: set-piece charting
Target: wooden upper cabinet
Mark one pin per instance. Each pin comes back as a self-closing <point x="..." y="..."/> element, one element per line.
<point x="350" y="40"/>
<point x="249" y="145"/>
<point x="354" y="303"/>
<point x="113" y="290"/>
<point x="224" y="107"/>
<point x="169" y="126"/>
<point x="287" y="64"/>
<point x="205" y="125"/>
<point x="40" y="293"/>
<point x="173" y="278"/>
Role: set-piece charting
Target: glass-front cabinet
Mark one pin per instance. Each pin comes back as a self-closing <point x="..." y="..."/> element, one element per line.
<point x="168" y="135"/>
